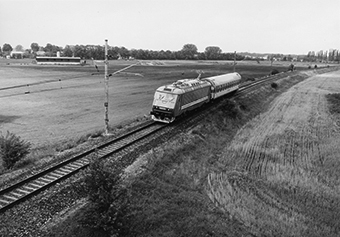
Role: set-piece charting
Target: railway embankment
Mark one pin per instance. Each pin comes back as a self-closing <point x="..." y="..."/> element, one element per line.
<point x="261" y="164"/>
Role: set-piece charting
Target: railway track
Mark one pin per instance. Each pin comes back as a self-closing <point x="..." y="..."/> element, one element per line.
<point x="248" y="87"/>
<point x="35" y="184"/>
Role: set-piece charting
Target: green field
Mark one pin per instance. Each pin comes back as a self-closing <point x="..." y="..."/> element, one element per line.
<point x="47" y="104"/>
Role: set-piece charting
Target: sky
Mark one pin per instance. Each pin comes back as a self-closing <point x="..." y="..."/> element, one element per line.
<point x="258" y="26"/>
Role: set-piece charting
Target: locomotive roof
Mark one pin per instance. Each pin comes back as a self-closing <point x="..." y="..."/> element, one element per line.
<point x="184" y="85"/>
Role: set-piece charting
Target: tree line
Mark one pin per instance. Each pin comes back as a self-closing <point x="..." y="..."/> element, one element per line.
<point x="332" y="55"/>
<point x="188" y="52"/>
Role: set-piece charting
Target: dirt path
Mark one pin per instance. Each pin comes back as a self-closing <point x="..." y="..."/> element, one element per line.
<point x="293" y="146"/>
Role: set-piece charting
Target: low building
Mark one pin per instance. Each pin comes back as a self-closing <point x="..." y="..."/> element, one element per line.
<point x="58" y="60"/>
<point x="17" y="54"/>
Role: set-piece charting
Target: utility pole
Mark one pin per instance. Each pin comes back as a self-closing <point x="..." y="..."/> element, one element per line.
<point x="107" y="76"/>
<point x="106" y="103"/>
<point x="271" y="62"/>
<point x="234" y="60"/>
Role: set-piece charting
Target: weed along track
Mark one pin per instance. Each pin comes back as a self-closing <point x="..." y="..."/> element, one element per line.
<point x="284" y="181"/>
<point x="23" y="190"/>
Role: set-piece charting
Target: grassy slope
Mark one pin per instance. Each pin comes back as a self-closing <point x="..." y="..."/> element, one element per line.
<point x="284" y="181"/>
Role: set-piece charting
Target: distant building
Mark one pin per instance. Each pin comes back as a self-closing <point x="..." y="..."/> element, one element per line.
<point x="17" y="54"/>
<point x="41" y="53"/>
<point x="58" y="60"/>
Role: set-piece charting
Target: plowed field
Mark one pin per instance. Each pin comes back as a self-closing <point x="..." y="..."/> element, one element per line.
<point x="285" y="179"/>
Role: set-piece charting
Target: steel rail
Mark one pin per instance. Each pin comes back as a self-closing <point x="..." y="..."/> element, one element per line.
<point x="36" y="183"/>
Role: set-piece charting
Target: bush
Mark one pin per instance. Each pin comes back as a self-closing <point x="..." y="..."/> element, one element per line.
<point x="291" y="67"/>
<point x="274" y="71"/>
<point x="12" y="149"/>
<point x="274" y="85"/>
<point x="333" y="103"/>
<point x="109" y="198"/>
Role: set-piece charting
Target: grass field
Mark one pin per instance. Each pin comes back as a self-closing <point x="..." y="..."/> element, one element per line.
<point x="48" y="104"/>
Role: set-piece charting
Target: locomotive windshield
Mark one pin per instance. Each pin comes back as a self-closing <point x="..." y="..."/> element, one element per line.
<point x="166" y="100"/>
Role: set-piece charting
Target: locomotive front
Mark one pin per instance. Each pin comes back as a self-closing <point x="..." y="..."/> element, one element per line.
<point x="164" y="105"/>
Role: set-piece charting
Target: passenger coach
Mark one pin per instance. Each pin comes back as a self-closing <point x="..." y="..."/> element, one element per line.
<point x="224" y="84"/>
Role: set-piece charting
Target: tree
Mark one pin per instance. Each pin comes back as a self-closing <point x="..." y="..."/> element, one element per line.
<point x="325" y="56"/>
<point x="124" y="52"/>
<point x="68" y="52"/>
<point x="48" y="49"/>
<point x="56" y="49"/>
<point x="19" y="48"/>
<point x="35" y="47"/>
<point x="12" y="149"/>
<point x="99" y="52"/>
<point x="170" y="55"/>
<point x="189" y="51"/>
<point x="212" y="52"/>
<point x="79" y="51"/>
<point x="7" y="48"/>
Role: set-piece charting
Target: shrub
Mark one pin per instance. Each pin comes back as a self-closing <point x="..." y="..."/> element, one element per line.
<point x="250" y="79"/>
<point x="333" y="103"/>
<point x="108" y="196"/>
<point x="12" y="149"/>
<point x="274" y="71"/>
<point x="274" y="85"/>
<point x="291" y="67"/>
<point x="24" y="163"/>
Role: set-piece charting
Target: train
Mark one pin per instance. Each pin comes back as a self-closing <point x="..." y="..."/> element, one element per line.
<point x="173" y="100"/>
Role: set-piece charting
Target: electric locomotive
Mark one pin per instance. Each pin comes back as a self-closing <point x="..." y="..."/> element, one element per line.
<point x="171" y="101"/>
